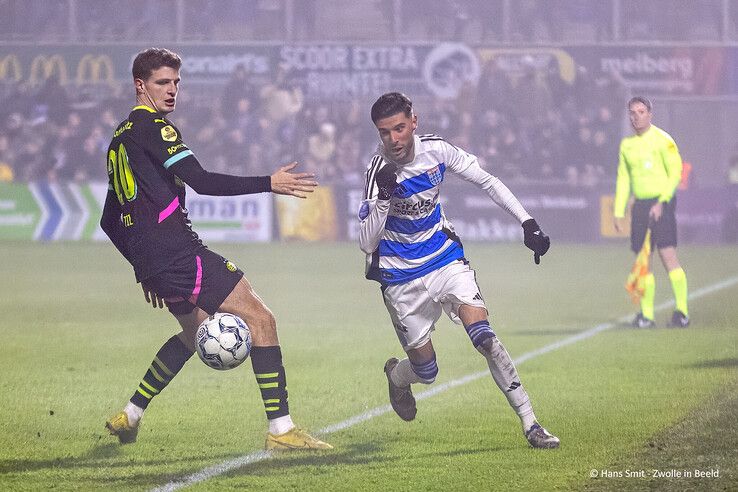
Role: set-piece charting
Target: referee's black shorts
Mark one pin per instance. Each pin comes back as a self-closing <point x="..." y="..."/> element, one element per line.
<point x="203" y="279"/>
<point x="663" y="232"/>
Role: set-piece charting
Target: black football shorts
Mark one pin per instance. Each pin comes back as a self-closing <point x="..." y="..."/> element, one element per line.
<point x="663" y="232"/>
<point x="203" y="279"/>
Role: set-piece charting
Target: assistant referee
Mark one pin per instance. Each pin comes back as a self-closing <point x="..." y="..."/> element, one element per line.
<point x="650" y="168"/>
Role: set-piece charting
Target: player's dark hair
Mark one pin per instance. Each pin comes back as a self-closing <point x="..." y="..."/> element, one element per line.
<point x="643" y="100"/>
<point x="153" y="58"/>
<point x="390" y="104"/>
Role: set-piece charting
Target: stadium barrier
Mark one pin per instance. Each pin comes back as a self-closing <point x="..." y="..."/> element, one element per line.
<point x="44" y="211"/>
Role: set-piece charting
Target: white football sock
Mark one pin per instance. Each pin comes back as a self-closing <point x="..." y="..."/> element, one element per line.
<point x="506" y="377"/>
<point x="134" y="413"/>
<point x="280" y="425"/>
<point x="527" y="417"/>
<point x="403" y="375"/>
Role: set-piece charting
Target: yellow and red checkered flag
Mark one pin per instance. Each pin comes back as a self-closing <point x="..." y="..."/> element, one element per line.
<point x="635" y="285"/>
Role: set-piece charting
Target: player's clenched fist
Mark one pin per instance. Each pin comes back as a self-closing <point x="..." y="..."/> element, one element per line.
<point x="386" y="181"/>
<point x="535" y="239"/>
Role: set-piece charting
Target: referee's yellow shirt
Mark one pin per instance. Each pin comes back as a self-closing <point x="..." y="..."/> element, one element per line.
<point x="650" y="166"/>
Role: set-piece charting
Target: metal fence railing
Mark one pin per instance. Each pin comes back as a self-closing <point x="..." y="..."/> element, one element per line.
<point x="506" y="22"/>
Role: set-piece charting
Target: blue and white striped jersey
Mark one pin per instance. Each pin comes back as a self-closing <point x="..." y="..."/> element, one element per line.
<point x="409" y="236"/>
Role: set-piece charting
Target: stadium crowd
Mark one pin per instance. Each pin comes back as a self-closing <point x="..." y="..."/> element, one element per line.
<point x="534" y="128"/>
<point x="529" y="127"/>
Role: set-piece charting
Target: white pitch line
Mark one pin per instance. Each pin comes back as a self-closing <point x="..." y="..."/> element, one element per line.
<point x="257" y="456"/>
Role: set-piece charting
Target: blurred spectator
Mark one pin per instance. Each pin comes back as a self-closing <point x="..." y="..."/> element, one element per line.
<point x="31" y="163"/>
<point x="18" y="99"/>
<point x="236" y="89"/>
<point x="532" y="97"/>
<point x="279" y="99"/>
<point x="256" y="159"/>
<point x="348" y="153"/>
<point x="321" y="149"/>
<point x="733" y="172"/>
<point x="494" y="90"/>
<point x="7" y="158"/>
<point x="53" y="99"/>
<point x="94" y="158"/>
<point x="208" y="137"/>
<point x="442" y="118"/>
<point x="235" y="149"/>
<point x="510" y="156"/>
<point x="245" y="119"/>
<point x="463" y="135"/>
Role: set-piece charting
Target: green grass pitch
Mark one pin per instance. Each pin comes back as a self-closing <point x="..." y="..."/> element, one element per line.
<point x="77" y="337"/>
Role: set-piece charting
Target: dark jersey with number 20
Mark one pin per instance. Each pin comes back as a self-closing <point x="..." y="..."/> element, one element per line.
<point x="145" y="215"/>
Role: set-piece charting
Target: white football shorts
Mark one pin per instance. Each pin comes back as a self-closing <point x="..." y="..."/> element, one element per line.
<point x="415" y="306"/>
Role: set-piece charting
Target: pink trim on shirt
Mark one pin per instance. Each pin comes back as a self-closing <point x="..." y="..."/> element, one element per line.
<point x="169" y="210"/>
<point x="198" y="281"/>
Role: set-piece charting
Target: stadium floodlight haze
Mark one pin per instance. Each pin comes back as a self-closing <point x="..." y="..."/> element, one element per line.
<point x="557" y="154"/>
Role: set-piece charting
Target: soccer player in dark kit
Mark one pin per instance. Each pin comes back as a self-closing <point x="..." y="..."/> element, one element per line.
<point x="146" y="219"/>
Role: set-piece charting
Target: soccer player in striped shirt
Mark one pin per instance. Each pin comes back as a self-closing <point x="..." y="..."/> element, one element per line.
<point x="413" y="252"/>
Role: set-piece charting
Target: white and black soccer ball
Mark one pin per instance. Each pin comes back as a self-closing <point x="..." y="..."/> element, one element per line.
<point x="223" y="341"/>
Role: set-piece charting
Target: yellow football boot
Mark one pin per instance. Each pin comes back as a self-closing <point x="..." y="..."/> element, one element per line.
<point x="294" y="439"/>
<point x="118" y="426"/>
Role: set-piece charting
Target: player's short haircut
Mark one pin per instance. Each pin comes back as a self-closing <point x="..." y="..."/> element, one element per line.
<point x="153" y="58"/>
<point x="643" y="100"/>
<point x="390" y="104"/>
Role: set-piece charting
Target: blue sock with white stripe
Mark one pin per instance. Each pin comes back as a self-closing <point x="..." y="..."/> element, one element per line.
<point x="479" y="332"/>
<point x="426" y="372"/>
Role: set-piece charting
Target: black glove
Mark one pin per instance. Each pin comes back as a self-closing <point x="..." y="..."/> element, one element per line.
<point x="535" y="239"/>
<point x="386" y="180"/>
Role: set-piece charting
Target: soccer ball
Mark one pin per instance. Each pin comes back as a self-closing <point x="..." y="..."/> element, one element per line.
<point x="223" y="341"/>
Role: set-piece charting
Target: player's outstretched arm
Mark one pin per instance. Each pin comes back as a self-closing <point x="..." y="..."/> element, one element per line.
<point x="282" y="182"/>
<point x="285" y="182"/>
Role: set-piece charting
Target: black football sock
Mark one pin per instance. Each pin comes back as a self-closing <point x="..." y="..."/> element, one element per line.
<point x="168" y="361"/>
<point x="270" y="376"/>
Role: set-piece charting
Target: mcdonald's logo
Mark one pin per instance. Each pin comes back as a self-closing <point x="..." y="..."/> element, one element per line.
<point x="91" y="67"/>
<point x="11" y="62"/>
<point x="45" y="66"/>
